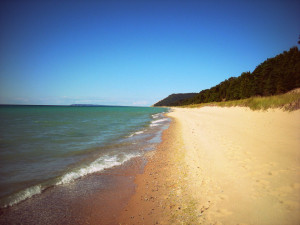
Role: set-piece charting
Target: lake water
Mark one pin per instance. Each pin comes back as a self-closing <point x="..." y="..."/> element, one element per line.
<point x="47" y="146"/>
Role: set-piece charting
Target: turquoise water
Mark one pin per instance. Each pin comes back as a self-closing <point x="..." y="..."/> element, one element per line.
<point x="43" y="146"/>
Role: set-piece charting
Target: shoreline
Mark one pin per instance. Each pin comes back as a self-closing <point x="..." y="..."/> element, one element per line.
<point x="55" y="146"/>
<point x="95" y="197"/>
<point x="162" y="194"/>
<point x="221" y="166"/>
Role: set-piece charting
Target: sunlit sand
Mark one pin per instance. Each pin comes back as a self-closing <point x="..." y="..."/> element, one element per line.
<point x="227" y="165"/>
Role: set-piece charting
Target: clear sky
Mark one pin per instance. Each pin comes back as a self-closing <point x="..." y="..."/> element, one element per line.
<point x="134" y="52"/>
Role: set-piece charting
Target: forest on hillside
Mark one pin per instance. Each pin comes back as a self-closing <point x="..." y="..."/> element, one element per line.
<point x="173" y="98"/>
<point x="276" y="75"/>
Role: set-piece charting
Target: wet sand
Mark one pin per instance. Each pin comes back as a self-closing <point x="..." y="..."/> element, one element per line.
<point x="221" y="166"/>
<point x="94" y="199"/>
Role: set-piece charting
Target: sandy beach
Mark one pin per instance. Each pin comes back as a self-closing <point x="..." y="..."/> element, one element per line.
<point x="221" y="166"/>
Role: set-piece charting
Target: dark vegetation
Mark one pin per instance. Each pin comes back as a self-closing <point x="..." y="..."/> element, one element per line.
<point x="274" y="76"/>
<point x="173" y="98"/>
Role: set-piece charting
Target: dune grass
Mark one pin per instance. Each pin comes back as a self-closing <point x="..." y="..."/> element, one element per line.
<point x="289" y="101"/>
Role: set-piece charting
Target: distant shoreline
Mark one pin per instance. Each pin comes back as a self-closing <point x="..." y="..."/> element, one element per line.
<point x="72" y="105"/>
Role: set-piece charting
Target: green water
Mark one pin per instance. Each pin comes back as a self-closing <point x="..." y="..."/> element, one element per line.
<point x="42" y="146"/>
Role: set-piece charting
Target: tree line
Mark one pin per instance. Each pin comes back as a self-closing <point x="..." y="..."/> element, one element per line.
<point x="276" y="75"/>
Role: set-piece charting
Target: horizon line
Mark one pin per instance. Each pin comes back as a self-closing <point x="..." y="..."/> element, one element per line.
<point x="71" y="105"/>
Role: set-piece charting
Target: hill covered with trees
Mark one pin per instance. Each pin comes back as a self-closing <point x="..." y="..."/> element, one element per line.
<point x="173" y="98"/>
<point x="276" y="75"/>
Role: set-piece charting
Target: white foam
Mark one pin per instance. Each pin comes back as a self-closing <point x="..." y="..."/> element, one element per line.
<point x="159" y="121"/>
<point x="22" y="195"/>
<point x="96" y="166"/>
<point x="154" y="116"/>
<point x="138" y="132"/>
<point x="112" y="159"/>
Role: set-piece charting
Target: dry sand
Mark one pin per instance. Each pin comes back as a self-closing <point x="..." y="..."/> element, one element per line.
<point x="222" y="166"/>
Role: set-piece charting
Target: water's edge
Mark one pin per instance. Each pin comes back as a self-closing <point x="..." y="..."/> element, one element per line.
<point x="101" y="183"/>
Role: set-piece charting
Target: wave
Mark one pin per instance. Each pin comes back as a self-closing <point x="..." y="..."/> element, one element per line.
<point x="158" y="122"/>
<point x="135" y="133"/>
<point x="154" y="116"/>
<point x="24" y="194"/>
<point x="155" y="122"/>
<point x="96" y="166"/>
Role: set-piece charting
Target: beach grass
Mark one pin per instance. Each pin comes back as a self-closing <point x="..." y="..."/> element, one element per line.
<point x="289" y="101"/>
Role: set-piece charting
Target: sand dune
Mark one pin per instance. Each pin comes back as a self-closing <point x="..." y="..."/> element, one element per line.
<point x="222" y="166"/>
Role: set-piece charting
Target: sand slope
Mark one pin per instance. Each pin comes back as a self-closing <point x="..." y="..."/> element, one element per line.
<point x="243" y="165"/>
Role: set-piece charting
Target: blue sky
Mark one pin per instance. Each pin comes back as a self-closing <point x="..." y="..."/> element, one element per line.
<point x="134" y="52"/>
